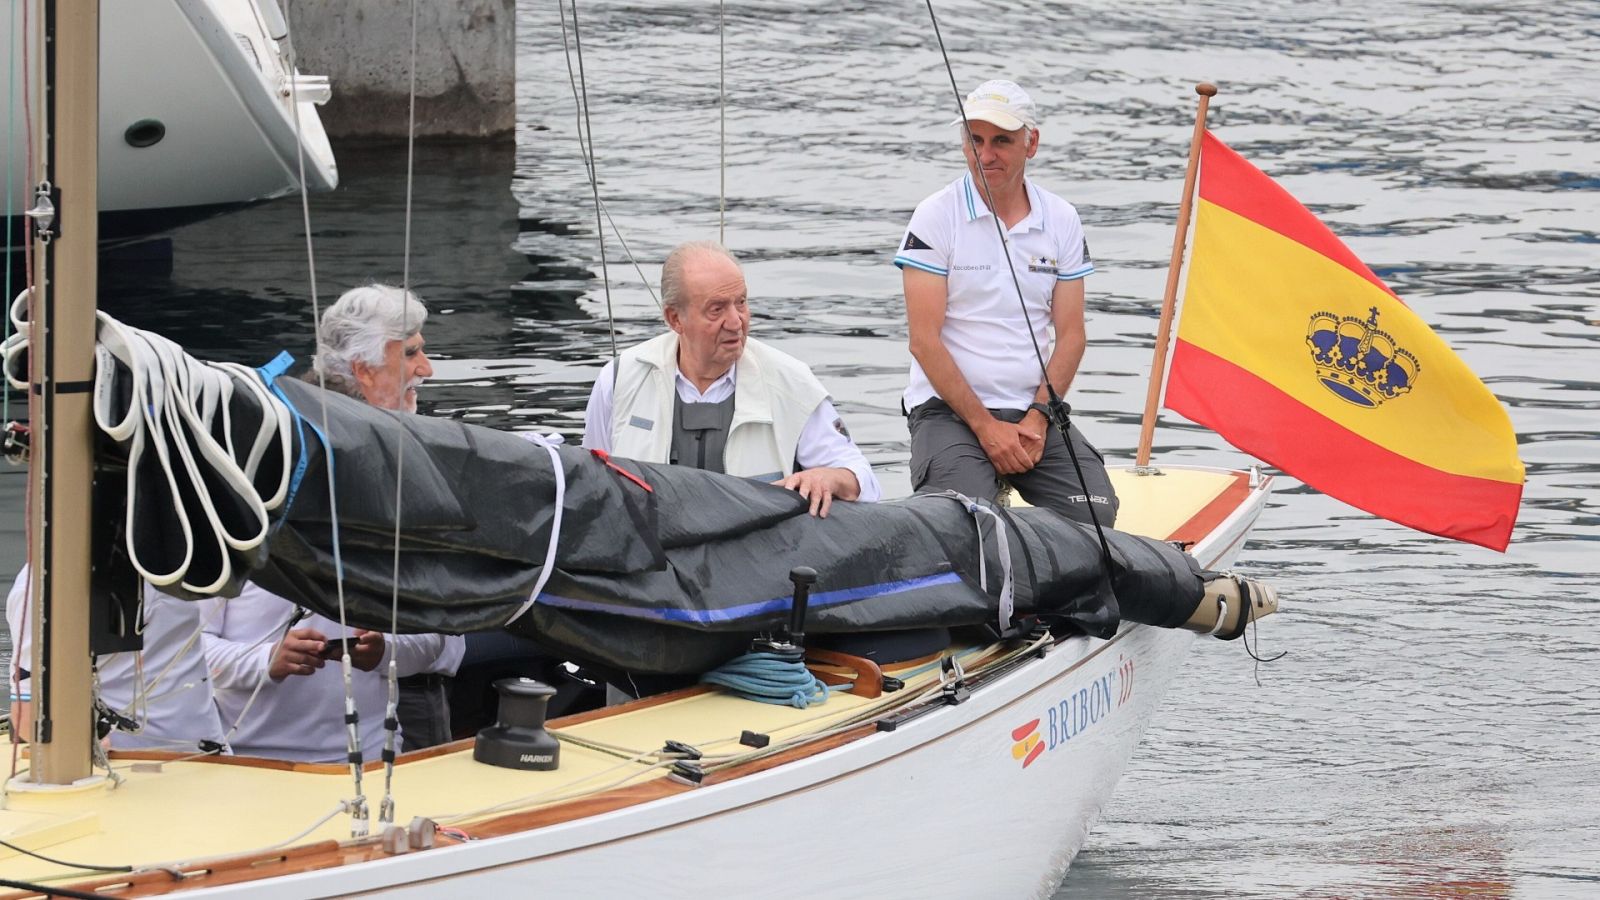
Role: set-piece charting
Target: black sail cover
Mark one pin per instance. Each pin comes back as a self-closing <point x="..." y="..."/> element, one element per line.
<point x="675" y="578"/>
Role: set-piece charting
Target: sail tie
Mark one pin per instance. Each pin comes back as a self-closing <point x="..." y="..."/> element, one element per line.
<point x="270" y="373"/>
<point x="560" y="480"/>
<point x="1007" y="583"/>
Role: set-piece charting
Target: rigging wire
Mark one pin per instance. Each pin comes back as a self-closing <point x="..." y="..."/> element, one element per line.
<point x="1060" y="411"/>
<point x="391" y="715"/>
<point x="47" y="891"/>
<point x="588" y="161"/>
<point x="147" y="689"/>
<point x="278" y="635"/>
<point x="177" y="868"/>
<point x="722" y="123"/>
<point x="988" y="197"/>
<point x="26" y="67"/>
<point x="32" y="169"/>
<point x="5" y="389"/>
<point x="56" y="862"/>
<point x="358" y="806"/>
<point x="11" y="139"/>
<point x="594" y="185"/>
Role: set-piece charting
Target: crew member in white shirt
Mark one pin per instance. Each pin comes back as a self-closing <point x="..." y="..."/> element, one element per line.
<point x="708" y="395"/>
<point x="370" y="347"/>
<point x="976" y="397"/>
<point x="257" y="647"/>
<point x="163" y="689"/>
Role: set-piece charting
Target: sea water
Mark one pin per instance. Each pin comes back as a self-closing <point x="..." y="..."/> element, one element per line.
<point x="1432" y="727"/>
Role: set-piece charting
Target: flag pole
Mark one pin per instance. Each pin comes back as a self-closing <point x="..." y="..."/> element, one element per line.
<point x="1158" y="368"/>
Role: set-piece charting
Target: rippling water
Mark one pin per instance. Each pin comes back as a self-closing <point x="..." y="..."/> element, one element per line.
<point x="1432" y="730"/>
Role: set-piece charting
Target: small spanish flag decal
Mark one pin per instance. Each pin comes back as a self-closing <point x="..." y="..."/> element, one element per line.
<point x="1028" y="744"/>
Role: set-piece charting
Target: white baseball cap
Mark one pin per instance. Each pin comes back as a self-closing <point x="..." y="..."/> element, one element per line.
<point x="1001" y="103"/>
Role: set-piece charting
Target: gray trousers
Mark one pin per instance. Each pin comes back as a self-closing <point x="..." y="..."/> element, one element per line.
<point x="946" y="455"/>
<point x="424" y="713"/>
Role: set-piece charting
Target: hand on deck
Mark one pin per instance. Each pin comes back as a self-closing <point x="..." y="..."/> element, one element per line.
<point x="821" y="485"/>
<point x="300" y="653"/>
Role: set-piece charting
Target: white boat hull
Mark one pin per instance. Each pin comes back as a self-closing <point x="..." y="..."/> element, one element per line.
<point x="940" y="807"/>
<point x="209" y="73"/>
<point x="989" y="798"/>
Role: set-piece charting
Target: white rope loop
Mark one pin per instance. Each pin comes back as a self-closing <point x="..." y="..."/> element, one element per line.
<point x="175" y="406"/>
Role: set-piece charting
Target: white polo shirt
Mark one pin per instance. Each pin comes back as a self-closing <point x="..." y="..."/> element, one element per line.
<point x="952" y="234"/>
<point x="300" y="717"/>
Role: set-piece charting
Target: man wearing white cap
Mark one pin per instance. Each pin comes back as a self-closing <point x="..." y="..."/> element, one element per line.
<point x="976" y="397"/>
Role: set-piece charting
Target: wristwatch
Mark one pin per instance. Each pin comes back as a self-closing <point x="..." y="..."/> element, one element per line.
<point x="1043" y="410"/>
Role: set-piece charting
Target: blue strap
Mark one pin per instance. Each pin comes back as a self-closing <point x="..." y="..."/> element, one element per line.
<point x="270" y="373"/>
<point x="279" y="365"/>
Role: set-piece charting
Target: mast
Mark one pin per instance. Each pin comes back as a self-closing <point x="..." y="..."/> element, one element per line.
<point x="1158" y="368"/>
<point x="61" y="372"/>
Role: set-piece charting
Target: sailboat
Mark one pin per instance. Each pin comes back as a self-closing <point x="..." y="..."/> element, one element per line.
<point x="209" y="129"/>
<point x="981" y="767"/>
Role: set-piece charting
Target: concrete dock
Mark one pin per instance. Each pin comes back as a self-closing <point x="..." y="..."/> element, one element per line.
<point x="466" y="65"/>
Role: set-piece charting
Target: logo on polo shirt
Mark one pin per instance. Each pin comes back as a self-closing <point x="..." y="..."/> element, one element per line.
<point x="1044" y="264"/>
<point x="915" y="243"/>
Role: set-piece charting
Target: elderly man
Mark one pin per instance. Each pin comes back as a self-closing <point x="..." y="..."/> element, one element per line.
<point x="370" y="347"/>
<point x="975" y="398"/>
<point x="708" y="395"/>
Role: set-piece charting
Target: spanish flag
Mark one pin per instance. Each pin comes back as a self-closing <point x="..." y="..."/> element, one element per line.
<point x="1296" y="353"/>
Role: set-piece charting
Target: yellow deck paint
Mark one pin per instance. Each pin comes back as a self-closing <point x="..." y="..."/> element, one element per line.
<point x="1157" y="505"/>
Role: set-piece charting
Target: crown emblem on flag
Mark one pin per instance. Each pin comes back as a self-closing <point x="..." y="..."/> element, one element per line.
<point x="1357" y="361"/>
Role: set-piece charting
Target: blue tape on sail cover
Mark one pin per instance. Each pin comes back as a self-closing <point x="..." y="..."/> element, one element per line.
<point x="270" y="373"/>
<point x="776" y="604"/>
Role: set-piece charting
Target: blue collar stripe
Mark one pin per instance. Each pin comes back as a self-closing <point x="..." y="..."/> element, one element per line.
<point x="903" y="261"/>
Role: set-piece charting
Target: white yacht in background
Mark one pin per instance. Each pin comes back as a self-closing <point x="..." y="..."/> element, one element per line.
<point x="197" y="113"/>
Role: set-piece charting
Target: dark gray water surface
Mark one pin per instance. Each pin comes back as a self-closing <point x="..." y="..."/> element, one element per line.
<point x="1432" y="730"/>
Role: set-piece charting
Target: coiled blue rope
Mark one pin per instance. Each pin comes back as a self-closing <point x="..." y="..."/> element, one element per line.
<point x="770" y="678"/>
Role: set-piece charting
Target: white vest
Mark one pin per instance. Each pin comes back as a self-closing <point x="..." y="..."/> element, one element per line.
<point x="773" y="396"/>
